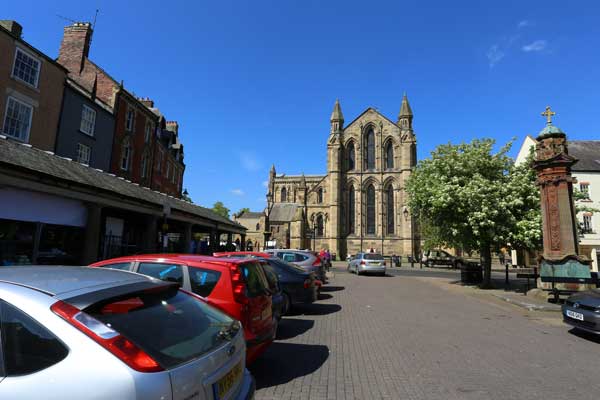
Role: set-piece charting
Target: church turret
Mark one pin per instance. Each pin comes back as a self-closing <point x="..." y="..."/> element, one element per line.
<point x="405" y="116"/>
<point x="337" y="118"/>
<point x="271" y="191"/>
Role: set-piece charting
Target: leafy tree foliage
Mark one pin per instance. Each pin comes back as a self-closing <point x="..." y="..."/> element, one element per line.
<point x="242" y="210"/>
<point x="466" y="196"/>
<point x="220" y="209"/>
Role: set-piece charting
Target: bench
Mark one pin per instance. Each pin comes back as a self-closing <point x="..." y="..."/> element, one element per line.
<point x="528" y="275"/>
<point x="592" y="280"/>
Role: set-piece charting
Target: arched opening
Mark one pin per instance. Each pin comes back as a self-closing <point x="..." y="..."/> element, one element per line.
<point x="389" y="194"/>
<point x="351" y="157"/>
<point x="389" y="155"/>
<point x="370" y="210"/>
<point x="258" y="227"/>
<point x="283" y="195"/>
<point x="320" y="227"/>
<point x="320" y="195"/>
<point x="370" y="146"/>
<point x="351" y="210"/>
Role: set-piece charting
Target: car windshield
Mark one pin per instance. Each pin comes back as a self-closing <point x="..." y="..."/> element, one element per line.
<point x="169" y="325"/>
<point x="373" y="256"/>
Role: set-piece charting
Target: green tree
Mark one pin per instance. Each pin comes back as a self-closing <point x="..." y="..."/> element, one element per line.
<point x="220" y="209"/>
<point x="466" y="196"/>
<point x="242" y="210"/>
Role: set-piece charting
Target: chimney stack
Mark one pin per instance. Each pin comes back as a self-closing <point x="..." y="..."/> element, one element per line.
<point x="75" y="46"/>
<point x="173" y="126"/>
<point x="146" y="101"/>
<point x="12" y="26"/>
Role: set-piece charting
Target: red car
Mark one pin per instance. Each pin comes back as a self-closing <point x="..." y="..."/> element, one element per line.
<point x="242" y="254"/>
<point x="236" y="286"/>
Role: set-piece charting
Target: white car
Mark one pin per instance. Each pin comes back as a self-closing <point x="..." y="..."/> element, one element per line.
<point x="367" y="263"/>
<point x="93" y="333"/>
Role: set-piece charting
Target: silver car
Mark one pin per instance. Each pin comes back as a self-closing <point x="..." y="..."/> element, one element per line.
<point x="92" y="333"/>
<point x="307" y="260"/>
<point x="371" y="263"/>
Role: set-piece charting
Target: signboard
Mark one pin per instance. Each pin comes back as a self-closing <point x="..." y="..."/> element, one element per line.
<point x="569" y="271"/>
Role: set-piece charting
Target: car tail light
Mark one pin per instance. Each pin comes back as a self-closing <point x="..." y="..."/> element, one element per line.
<point x="307" y="283"/>
<point x="384" y="263"/>
<point x="107" y="337"/>
<point x="363" y="262"/>
<point x="317" y="262"/>
<point x="238" y="285"/>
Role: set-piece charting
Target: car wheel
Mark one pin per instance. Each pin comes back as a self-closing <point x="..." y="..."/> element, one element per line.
<point x="458" y="265"/>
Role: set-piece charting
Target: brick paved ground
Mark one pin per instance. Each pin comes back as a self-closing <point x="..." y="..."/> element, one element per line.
<point x="404" y="337"/>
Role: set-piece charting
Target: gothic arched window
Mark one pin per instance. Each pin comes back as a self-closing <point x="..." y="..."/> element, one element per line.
<point x="389" y="193"/>
<point x="370" y="210"/>
<point x="283" y="195"/>
<point x="320" y="226"/>
<point x="351" y="157"/>
<point x="320" y="195"/>
<point x="389" y="155"/>
<point x="370" y="145"/>
<point x="351" y="210"/>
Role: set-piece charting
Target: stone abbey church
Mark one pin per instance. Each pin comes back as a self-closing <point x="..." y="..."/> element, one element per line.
<point x="360" y="204"/>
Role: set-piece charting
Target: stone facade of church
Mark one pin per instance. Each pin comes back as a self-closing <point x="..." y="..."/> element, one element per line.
<point x="360" y="203"/>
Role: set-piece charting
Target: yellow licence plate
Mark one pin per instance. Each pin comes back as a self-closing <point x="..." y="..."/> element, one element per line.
<point x="224" y="385"/>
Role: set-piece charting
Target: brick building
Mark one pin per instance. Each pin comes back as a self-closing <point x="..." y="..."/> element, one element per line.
<point x="146" y="148"/>
<point x="31" y="90"/>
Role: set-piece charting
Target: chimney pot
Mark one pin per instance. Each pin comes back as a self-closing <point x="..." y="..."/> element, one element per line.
<point x="12" y="26"/>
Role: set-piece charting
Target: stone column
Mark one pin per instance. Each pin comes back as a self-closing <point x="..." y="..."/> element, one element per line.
<point x="560" y="260"/>
<point x="243" y="243"/>
<point x="93" y="229"/>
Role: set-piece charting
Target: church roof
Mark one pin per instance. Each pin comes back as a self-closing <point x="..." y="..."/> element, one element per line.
<point x="588" y="154"/>
<point x="366" y="111"/>
<point x="251" y="214"/>
<point x="283" y="212"/>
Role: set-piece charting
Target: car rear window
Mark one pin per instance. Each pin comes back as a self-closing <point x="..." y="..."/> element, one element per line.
<point x="165" y="272"/>
<point x="301" y="257"/>
<point x="203" y="281"/>
<point x="372" y="256"/>
<point x="271" y="276"/>
<point x="27" y="346"/>
<point x="256" y="281"/>
<point x="169" y="325"/>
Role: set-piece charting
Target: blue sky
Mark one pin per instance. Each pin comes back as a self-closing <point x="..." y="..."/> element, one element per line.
<point x="253" y="82"/>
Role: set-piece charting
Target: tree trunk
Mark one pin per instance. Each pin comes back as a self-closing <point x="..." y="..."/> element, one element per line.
<point x="486" y="263"/>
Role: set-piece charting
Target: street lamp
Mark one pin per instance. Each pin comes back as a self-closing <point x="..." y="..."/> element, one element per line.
<point x="405" y="213"/>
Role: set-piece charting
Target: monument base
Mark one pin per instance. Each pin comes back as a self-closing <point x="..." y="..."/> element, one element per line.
<point x="571" y="273"/>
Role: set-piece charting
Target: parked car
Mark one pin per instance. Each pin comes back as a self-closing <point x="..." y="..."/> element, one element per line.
<point x="582" y="311"/>
<point x="305" y="259"/>
<point x="83" y="333"/>
<point x="441" y="257"/>
<point x="237" y="287"/>
<point x="367" y="263"/>
<point x="277" y="296"/>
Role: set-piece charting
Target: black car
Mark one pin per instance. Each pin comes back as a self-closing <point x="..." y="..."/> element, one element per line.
<point x="297" y="285"/>
<point x="582" y="311"/>
<point x="279" y="305"/>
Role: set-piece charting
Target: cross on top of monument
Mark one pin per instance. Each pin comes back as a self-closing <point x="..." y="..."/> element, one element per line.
<point x="548" y="114"/>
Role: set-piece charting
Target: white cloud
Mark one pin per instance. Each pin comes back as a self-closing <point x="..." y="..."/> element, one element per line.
<point x="250" y="161"/>
<point x="495" y="55"/>
<point x="237" y="192"/>
<point x="523" y="24"/>
<point x="537" y="45"/>
<point x="265" y="183"/>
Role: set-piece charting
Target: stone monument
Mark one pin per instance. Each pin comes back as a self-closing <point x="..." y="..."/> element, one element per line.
<point x="561" y="267"/>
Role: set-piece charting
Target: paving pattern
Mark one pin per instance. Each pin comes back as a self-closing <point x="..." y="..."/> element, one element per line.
<point x="404" y="337"/>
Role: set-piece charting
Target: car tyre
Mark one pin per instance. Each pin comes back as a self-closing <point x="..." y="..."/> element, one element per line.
<point x="287" y="304"/>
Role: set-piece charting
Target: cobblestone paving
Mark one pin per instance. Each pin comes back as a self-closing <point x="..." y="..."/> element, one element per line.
<point x="401" y="337"/>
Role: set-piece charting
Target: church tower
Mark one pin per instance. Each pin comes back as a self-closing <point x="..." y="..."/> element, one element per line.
<point x="408" y="154"/>
<point x="334" y="170"/>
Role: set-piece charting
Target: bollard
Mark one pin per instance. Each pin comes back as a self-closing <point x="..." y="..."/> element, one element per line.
<point x="506" y="284"/>
<point x="412" y="262"/>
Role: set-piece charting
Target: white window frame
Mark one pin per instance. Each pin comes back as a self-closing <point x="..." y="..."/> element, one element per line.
<point x="81" y="146"/>
<point x="39" y="69"/>
<point x="148" y="131"/>
<point x="585" y="185"/>
<point x="589" y="228"/>
<point x="130" y="111"/>
<point x="144" y="165"/>
<point x="26" y="138"/>
<point x="127" y="145"/>
<point x="82" y="126"/>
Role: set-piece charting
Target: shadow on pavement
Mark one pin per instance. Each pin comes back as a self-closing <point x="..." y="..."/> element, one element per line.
<point x="325" y="296"/>
<point x="332" y="288"/>
<point x="585" y="335"/>
<point x="292" y="327"/>
<point x="283" y="362"/>
<point x="315" y="309"/>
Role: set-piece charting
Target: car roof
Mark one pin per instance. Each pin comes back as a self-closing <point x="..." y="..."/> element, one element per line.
<point x="186" y="258"/>
<point x="59" y="280"/>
